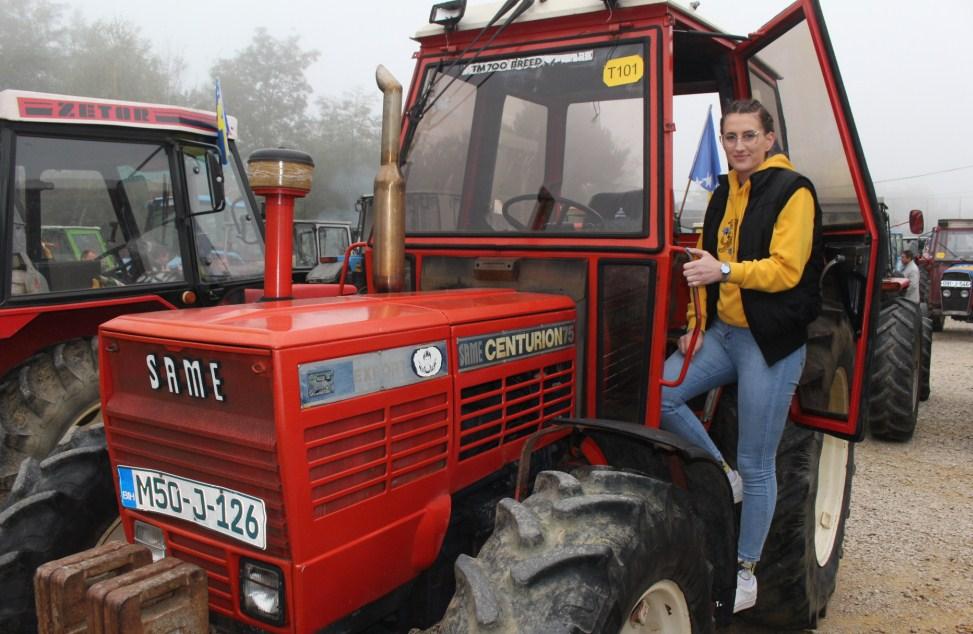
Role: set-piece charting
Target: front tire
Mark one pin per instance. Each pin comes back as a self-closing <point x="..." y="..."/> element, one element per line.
<point x="58" y="506"/>
<point x="598" y="551"/>
<point x="896" y="373"/>
<point x="51" y="393"/>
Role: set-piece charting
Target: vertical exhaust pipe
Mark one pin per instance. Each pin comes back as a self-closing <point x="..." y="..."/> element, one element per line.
<point x="389" y="269"/>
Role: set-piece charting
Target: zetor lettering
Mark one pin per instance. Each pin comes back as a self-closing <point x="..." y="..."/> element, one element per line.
<point x="186" y="375"/>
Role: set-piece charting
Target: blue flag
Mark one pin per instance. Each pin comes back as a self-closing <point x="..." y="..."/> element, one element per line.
<point x="706" y="165"/>
<point x="222" y="126"/>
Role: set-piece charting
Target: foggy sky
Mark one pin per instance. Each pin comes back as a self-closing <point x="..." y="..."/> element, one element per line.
<point x="905" y="68"/>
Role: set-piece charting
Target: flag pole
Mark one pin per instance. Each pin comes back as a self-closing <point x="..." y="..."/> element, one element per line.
<point x="689" y="181"/>
<point x="685" y="193"/>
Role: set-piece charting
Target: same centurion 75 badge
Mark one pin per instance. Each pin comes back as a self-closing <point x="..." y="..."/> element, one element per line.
<point x="481" y="350"/>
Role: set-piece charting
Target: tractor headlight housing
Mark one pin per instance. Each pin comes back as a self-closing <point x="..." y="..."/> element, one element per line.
<point x="947" y="292"/>
<point x="150" y="536"/>
<point x="964" y="294"/>
<point x="262" y="591"/>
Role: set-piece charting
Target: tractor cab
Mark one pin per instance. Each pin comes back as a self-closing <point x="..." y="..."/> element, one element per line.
<point x="549" y="146"/>
<point x="109" y="199"/>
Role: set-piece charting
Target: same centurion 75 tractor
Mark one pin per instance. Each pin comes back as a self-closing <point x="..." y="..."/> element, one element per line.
<point x="473" y="444"/>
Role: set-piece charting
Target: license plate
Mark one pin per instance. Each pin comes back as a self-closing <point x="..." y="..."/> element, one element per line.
<point x="957" y="284"/>
<point x="225" y="511"/>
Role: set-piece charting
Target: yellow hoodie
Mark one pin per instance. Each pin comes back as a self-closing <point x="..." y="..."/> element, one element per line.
<point x="790" y="248"/>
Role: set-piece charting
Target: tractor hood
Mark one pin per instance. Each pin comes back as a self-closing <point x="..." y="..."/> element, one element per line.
<point x="285" y="324"/>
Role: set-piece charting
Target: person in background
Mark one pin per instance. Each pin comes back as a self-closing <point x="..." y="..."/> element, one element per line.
<point x="757" y="265"/>
<point x="911" y="272"/>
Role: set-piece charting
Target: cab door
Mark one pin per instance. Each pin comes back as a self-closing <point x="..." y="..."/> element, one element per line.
<point x="789" y="65"/>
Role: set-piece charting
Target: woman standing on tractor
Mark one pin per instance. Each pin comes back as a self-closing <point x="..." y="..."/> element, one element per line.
<point x="757" y="268"/>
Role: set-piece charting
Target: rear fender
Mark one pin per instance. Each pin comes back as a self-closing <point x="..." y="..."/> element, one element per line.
<point x="665" y="456"/>
<point x="26" y="331"/>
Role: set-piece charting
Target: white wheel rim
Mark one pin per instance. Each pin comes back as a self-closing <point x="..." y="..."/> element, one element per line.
<point x="662" y="608"/>
<point x="832" y="473"/>
<point x="114" y="533"/>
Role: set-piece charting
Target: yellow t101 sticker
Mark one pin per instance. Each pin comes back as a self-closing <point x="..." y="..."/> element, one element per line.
<point x="623" y="70"/>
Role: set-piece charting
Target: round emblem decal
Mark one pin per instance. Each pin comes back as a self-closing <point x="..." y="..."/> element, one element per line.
<point x="427" y="361"/>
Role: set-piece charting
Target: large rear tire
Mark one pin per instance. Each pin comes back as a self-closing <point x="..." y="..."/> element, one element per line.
<point x="58" y="506"/>
<point x="42" y="400"/>
<point x="605" y="551"/>
<point x="896" y="371"/>
<point x="926" y="362"/>
<point x="798" y="569"/>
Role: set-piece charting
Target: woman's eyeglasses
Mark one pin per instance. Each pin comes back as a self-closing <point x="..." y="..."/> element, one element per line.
<point x="749" y="137"/>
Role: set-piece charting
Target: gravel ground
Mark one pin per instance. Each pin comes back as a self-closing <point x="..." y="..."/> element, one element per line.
<point x="908" y="552"/>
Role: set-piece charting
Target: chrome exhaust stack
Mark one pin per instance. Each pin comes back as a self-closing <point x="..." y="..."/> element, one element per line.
<point x="389" y="266"/>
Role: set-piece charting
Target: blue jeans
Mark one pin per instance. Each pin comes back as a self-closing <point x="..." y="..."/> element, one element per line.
<point x="730" y="354"/>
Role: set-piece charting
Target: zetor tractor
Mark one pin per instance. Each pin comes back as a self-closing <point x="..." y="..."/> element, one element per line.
<point x="483" y="423"/>
<point x="109" y="208"/>
<point x="948" y="263"/>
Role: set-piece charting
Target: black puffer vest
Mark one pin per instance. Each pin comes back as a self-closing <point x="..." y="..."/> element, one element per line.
<point x="778" y="321"/>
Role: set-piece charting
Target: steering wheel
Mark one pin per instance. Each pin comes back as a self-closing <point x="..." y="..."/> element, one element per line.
<point x="122" y="271"/>
<point x="597" y="220"/>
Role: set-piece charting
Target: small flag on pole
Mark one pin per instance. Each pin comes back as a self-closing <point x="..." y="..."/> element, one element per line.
<point x="222" y="126"/>
<point x="706" y="165"/>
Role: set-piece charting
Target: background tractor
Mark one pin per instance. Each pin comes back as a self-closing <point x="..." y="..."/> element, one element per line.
<point x="947" y="262"/>
<point x="482" y="423"/>
<point x="109" y="207"/>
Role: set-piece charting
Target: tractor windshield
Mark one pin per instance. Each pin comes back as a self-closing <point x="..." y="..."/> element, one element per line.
<point x="955" y="245"/>
<point x="545" y="142"/>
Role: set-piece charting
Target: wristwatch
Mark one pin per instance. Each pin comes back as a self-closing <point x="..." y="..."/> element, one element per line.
<point x="725" y="271"/>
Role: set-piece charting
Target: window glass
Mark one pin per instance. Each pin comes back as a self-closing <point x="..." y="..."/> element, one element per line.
<point x="788" y="76"/>
<point x="333" y="240"/>
<point x="228" y="242"/>
<point x="82" y="212"/>
<point x="546" y="142"/>
<point x="520" y="155"/>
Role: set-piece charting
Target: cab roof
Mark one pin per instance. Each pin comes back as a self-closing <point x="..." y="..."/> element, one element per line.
<point x="479" y="15"/>
<point x="21" y="105"/>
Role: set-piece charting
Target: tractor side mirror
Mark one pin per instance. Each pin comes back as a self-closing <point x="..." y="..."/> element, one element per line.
<point x="217" y="192"/>
<point x="916" y="222"/>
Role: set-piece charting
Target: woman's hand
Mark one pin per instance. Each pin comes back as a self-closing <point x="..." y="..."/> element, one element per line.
<point x="705" y="269"/>
<point x="684" y="343"/>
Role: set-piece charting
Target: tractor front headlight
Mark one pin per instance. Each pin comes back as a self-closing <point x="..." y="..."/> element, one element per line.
<point x="262" y="591"/>
<point x="151" y="536"/>
<point x="964" y="294"/>
<point x="947" y="292"/>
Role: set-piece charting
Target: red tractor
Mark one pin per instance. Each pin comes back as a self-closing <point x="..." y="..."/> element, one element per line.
<point x="947" y="268"/>
<point x="109" y="208"/>
<point x="482" y="424"/>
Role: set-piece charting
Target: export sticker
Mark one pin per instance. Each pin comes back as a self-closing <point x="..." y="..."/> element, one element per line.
<point x="623" y="70"/>
<point x="527" y="63"/>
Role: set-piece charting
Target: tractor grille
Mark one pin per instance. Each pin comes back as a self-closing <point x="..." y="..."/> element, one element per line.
<point x="368" y="454"/>
<point x="504" y="409"/>
<point x="222" y="459"/>
<point x="956" y="301"/>
<point x="211" y="559"/>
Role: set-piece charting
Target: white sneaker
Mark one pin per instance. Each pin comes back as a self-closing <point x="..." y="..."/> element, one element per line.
<point x="746" y="596"/>
<point x="736" y="483"/>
